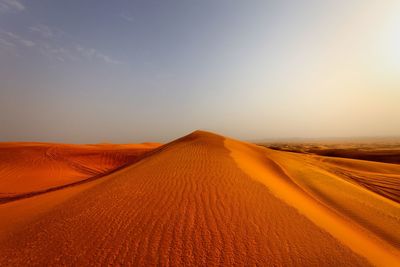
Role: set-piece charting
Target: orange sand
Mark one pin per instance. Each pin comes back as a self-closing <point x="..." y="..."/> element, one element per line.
<point x="34" y="167"/>
<point x="207" y="200"/>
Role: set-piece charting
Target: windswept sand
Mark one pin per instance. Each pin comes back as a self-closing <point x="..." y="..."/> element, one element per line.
<point x="381" y="150"/>
<point x="28" y="168"/>
<point x="207" y="200"/>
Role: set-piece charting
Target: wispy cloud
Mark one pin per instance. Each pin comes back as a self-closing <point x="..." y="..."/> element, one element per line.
<point x="12" y="39"/>
<point x="108" y="59"/>
<point x="27" y="43"/>
<point x="57" y="44"/>
<point x="74" y="52"/>
<point x="57" y="52"/>
<point x="54" y="44"/>
<point x="92" y="53"/>
<point x="126" y="17"/>
<point x="11" y="6"/>
<point x="4" y="42"/>
<point x="47" y="32"/>
<point x="44" y="30"/>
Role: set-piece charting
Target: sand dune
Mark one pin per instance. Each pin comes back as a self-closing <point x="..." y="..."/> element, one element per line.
<point x="26" y="168"/>
<point x="207" y="200"/>
<point x="386" y="150"/>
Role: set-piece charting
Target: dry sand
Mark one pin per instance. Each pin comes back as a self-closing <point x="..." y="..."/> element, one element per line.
<point x="29" y="168"/>
<point x="207" y="200"/>
<point x="386" y="150"/>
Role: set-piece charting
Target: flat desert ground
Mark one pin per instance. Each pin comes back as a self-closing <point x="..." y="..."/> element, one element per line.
<point x="201" y="200"/>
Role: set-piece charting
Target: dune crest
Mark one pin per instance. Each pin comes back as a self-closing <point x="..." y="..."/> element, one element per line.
<point x="203" y="199"/>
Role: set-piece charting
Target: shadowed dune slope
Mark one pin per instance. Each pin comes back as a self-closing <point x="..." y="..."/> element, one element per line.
<point x="202" y="200"/>
<point x="33" y="167"/>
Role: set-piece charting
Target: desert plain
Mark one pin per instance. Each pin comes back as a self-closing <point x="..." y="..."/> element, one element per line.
<point x="201" y="200"/>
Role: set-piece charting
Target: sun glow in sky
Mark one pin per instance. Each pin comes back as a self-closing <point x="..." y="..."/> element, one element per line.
<point x="131" y="71"/>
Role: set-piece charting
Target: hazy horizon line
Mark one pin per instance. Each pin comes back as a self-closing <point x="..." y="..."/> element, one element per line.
<point x="365" y="138"/>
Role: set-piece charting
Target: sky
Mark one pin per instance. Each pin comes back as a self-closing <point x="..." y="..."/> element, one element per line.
<point x="90" y="71"/>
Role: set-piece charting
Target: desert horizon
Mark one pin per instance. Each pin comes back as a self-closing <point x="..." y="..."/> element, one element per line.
<point x="200" y="133"/>
<point x="196" y="192"/>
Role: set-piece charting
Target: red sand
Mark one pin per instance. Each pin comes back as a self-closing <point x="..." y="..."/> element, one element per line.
<point x="207" y="200"/>
<point x="34" y="167"/>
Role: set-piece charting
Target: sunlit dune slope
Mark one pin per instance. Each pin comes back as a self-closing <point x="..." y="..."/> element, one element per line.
<point x="205" y="200"/>
<point x="383" y="179"/>
<point x="33" y="167"/>
<point x="386" y="150"/>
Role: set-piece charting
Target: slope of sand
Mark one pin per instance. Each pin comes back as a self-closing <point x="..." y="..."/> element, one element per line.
<point x="362" y="231"/>
<point x="34" y="167"/>
<point x="381" y="150"/>
<point x="206" y="200"/>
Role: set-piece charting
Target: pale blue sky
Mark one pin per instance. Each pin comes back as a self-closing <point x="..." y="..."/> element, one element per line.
<point x="133" y="71"/>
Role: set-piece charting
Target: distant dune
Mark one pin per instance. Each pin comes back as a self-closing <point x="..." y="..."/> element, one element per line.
<point x="201" y="200"/>
<point x="384" y="151"/>
<point x="29" y="168"/>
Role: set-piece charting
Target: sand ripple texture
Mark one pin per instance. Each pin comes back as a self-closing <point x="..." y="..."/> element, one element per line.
<point x="27" y="169"/>
<point x="205" y="200"/>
